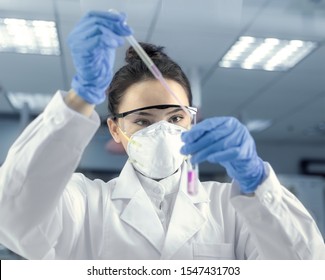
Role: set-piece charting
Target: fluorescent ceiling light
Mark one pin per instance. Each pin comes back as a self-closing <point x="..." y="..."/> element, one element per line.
<point x="268" y="54"/>
<point x="29" y="36"/>
<point x="36" y="102"/>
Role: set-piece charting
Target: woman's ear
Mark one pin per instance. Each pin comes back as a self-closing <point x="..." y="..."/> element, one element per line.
<point x="114" y="130"/>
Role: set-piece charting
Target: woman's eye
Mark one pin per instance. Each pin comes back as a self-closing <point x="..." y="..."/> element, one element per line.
<point x="176" y="119"/>
<point x="142" y="122"/>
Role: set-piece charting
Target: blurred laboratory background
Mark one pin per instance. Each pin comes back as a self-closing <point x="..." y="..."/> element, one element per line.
<point x="262" y="61"/>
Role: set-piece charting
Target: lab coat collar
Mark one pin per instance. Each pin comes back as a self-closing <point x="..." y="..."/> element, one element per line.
<point x="186" y="218"/>
<point x="126" y="190"/>
<point x="127" y="183"/>
<point x="185" y="221"/>
<point x="139" y="212"/>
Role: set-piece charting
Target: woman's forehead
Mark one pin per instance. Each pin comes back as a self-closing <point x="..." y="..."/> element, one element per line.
<point x="151" y="92"/>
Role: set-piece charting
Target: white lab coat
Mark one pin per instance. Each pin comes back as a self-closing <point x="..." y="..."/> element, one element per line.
<point x="47" y="212"/>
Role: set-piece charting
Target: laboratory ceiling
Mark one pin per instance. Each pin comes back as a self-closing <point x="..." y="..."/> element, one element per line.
<point x="197" y="34"/>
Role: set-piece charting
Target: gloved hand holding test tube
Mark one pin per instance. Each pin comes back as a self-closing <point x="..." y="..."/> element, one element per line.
<point x="192" y="170"/>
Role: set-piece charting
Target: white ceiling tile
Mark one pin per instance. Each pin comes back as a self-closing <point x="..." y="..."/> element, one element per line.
<point x="139" y="13"/>
<point x="279" y="20"/>
<point x="196" y="36"/>
<point x="297" y="125"/>
<point x="228" y="88"/>
<point x="36" y="9"/>
<point x="313" y="63"/>
<point x="192" y="50"/>
<point x="31" y="73"/>
<point x="26" y="5"/>
<point x="290" y="91"/>
<point x="69" y="10"/>
<point x="303" y="118"/>
<point x="251" y="9"/>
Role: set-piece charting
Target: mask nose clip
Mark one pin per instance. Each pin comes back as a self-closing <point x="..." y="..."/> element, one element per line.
<point x="165" y="127"/>
<point x="162" y="125"/>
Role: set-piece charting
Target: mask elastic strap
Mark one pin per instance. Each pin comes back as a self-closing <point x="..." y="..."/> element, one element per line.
<point x="127" y="137"/>
<point x="123" y="133"/>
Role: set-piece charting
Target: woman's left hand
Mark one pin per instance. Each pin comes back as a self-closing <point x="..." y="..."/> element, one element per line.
<point x="226" y="141"/>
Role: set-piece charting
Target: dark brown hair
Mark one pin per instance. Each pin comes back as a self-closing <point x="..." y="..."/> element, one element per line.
<point x="136" y="71"/>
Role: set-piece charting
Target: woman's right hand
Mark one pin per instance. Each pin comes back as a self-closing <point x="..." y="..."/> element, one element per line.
<point x="226" y="141"/>
<point x="92" y="43"/>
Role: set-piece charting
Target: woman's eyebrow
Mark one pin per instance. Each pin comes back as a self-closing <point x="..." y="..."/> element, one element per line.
<point x="146" y="113"/>
<point x="174" y="111"/>
<point x="143" y="113"/>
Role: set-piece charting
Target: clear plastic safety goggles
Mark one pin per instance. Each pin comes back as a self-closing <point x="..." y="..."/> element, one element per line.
<point x="137" y="119"/>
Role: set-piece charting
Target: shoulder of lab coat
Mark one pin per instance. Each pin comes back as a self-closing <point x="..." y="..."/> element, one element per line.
<point x="277" y="221"/>
<point x="58" y="123"/>
<point x="30" y="171"/>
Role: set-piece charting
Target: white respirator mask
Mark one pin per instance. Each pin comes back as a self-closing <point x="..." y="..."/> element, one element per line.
<point x="154" y="151"/>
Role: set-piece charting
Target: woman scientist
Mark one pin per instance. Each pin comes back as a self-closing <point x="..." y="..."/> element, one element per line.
<point x="49" y="212"/>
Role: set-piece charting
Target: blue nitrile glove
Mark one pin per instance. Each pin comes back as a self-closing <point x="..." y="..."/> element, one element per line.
<point x="226" y="141"/>
<point x="93" y="42"/>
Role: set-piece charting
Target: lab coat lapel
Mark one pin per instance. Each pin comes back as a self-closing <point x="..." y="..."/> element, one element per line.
<point x="139" y="212"/>
<point x="186" y="218"/>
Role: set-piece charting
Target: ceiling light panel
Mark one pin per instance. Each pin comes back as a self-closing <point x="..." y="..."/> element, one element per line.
<point x="270" y="54"/>
<point x="29" y="36"/>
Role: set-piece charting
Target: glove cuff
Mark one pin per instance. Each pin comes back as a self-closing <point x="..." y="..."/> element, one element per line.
<point x="91" y="94"/>
<point x="255" y="179"/>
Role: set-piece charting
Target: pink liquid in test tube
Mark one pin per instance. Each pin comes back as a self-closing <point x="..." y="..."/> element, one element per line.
<point x="191" y="187"/>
